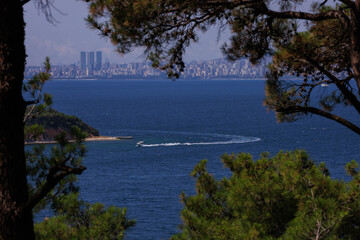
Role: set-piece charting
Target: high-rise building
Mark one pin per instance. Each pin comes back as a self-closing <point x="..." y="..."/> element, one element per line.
<point x="98" y="62"/>
<point x="90" y="60"/>
<point x="83" y="60"/>
<point x="107" y="63"/>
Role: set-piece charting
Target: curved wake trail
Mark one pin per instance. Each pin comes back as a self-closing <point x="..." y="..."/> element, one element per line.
<point x="232" y="141"/>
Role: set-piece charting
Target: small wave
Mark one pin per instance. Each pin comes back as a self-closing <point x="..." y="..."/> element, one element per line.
<point x="233" y="141"/>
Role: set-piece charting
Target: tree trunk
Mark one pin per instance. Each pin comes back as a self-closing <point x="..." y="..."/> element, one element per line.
<point x="13" y="183"/>
<point x="355" y="42"/>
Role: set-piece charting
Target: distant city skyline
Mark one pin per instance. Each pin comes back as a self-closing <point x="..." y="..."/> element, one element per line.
<point x="63" y="40"/>
<point x="210" y="69"/>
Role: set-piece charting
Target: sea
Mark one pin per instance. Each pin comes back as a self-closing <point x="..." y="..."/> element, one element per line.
<point x="182" y="122"/>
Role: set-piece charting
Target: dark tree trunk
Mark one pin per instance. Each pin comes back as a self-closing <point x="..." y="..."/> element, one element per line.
<point x="355" y="42"/>
<point x="13" y="183"/>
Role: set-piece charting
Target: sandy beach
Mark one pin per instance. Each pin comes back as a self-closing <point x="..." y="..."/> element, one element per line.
<point x="90" y="139"/>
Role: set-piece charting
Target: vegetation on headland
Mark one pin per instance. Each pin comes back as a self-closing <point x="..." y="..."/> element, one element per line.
<point x="53" y="123"/>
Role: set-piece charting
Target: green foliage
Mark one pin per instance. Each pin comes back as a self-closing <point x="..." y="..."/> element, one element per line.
<point x="43" y="166"/>
<point x="33" y="132"/>
<point x="76" y="219"/>
<point x="33" y="88"/>
<point x="52" y="182"/>
<point x="52" y="173"/>
<point x="282" y="197"/>
<point x="319" y="56"/>
<point x="55" y="122"/>
<point x="42" y="122"/>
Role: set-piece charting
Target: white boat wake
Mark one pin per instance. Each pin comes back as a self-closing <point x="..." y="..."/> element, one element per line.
<point x="237" y="140"/>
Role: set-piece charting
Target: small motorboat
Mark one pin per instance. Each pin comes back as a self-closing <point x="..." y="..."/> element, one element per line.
<point x="140" y="143"/>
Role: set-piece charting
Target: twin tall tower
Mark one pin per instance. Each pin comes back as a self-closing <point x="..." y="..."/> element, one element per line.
<point x="87" y="60"/>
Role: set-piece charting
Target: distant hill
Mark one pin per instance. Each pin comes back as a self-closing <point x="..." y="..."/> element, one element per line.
<point x="55" y="122"/>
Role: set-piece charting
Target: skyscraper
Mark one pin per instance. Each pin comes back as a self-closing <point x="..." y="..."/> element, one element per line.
<point x="83" y="60"/>
<point x="98" y="60"/>
<point x="90" y="60"/>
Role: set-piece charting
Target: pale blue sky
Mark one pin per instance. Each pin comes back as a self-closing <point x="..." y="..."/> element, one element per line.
<point x="63" y="42"/>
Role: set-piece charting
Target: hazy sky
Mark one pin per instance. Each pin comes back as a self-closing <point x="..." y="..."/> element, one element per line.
<point x="63" y="42"/>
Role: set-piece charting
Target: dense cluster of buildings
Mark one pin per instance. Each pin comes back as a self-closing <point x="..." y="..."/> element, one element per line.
<point x="92" y="66"/>
<point x="221" y="68"/>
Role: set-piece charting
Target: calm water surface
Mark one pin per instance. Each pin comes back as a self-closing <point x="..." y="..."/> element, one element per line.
<point x="182" y="122"/>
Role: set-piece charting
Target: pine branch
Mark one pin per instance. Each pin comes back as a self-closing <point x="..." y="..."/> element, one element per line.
<point x="317" y="111"/>
<point x="340" y="84"/>
<point x="299" y="15"/>
<point x="54" y="176"/>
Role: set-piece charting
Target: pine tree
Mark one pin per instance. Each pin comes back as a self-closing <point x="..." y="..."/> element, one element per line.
<point x="286" y="196"/>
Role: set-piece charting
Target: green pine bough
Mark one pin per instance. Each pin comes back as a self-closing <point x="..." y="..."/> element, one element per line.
<point x="52" y="172"/>
<point x="286" y="196"/>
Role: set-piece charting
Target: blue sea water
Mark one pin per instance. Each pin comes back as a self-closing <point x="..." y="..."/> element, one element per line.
<point x="182" y="122"/>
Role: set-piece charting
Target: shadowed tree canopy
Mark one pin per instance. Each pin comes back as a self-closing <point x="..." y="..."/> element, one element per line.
<point x="326" y="52"/>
